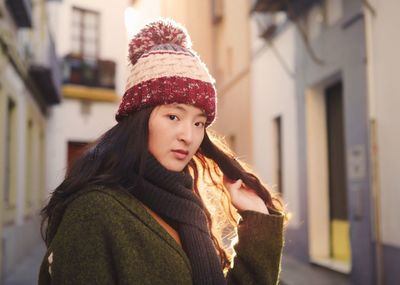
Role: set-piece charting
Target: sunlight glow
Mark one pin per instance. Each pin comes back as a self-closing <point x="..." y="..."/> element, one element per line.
<point x="131" y="20"/>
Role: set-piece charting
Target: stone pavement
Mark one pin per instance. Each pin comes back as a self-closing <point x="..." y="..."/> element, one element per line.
<point x="293" y="272"/>
<point x="27" y="271"/>
<point x="296" y="273"/>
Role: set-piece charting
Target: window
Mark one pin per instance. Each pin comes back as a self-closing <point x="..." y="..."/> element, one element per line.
<point x="278" y="153"/>
<point x="232" y="142"/>
<point x="42" y="162"/>
<point x="29" y="164"/>
<point x="217" y="7"/>
<point x="10" y="152"/>
<point x="75" y="151"/>
<point x="85" y="32"/>
<point x="333" y="11"/>
<point x="229" y="60"/>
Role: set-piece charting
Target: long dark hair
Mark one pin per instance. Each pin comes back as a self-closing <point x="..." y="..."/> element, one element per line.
<point x="111" y="159"/>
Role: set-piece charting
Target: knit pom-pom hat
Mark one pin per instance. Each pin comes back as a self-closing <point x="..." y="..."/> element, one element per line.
<point x="164" y="69"/>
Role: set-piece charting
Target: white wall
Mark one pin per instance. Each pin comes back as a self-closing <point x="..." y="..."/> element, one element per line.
<point x="113" y="36"/>
<point x="140" y="13"/>
<point x="67" y="123"/>
<point x="273" y="94"/>
<point x="384" y="89"/>
<point x="17" y="91"/>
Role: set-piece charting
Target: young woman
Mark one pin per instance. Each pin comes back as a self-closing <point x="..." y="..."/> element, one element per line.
<point x="131" y="210"/>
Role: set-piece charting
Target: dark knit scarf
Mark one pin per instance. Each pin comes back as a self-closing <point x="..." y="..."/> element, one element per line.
<point x="170" y="194"/>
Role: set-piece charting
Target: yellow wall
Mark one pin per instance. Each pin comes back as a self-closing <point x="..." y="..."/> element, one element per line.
<point x="42" y="193"/>
<point x="10" y="205"/>
<point x="34" y="161"/>
<point x="232" y="64"/>
<point x="89" y="93"/>
<point x="30" y="128"/>
<point x="196" y="17"/>
<point x="225" y="48"/>
<point x="20" y="156"/>
<point x="340" y="242"/>
<point x="2" y="119"/>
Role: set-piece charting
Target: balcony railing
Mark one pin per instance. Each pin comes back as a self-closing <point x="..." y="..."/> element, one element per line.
<point x="89" y="72"/>
<point x="21" y="11"/>
<point x="293" y="8"/>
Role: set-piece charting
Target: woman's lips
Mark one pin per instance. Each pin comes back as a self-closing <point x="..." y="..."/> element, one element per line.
<point x="180" y="154"/>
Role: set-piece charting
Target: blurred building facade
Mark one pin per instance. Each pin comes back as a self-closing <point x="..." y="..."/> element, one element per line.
<point x="301" y="96"/>
<point x="30" y="83"/>
<point x="383" y="62"/>
<point x="323" y="85"/>
<point x="306" y="95"/>
<point x="305" y="104"/>
<point x="231" y="59"/>
<point x="92" y="43"/>
<point x="220" y="32"/>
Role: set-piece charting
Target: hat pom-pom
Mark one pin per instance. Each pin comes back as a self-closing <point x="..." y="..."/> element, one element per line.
<point x="164" y="31"/>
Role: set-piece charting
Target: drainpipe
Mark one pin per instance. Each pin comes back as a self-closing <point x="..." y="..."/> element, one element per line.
<point x="376" y="203"/>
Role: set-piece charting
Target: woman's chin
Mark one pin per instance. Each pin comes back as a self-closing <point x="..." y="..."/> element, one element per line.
<point x="176" y="166"/>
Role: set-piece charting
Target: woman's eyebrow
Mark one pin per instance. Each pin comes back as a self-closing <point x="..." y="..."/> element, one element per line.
<point x="200" y="114"/>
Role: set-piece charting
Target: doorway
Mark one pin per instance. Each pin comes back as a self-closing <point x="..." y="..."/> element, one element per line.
<point x="338" y="214"/>
<point x="329" y="237"/>
<point x="75" y="150"/>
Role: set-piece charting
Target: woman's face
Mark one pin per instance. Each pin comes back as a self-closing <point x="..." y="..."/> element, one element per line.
<point x="175" y="133"/>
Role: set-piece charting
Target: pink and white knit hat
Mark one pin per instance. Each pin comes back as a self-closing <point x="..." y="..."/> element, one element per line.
<point x="164" y="70"/>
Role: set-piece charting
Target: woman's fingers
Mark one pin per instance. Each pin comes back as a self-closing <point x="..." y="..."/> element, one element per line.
<point x="242" y="197"/>
<point x="231" y="185"/>
<point x="236" y="185"/>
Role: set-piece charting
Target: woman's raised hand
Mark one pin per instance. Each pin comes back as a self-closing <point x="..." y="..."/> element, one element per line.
<point x="244" y="198"/>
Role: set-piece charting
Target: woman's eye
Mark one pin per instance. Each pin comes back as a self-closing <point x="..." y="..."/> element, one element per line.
<point x="172" y="117"/>
<point x="200" y="124"/>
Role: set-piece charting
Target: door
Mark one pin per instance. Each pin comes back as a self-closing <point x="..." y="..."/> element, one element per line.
<point x="338" y="213"/>
<point x="75" y="150"/>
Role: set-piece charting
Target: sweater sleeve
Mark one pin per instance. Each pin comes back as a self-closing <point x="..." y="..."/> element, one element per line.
<point x="259" y="250"/>
<point x="79" y="252"/>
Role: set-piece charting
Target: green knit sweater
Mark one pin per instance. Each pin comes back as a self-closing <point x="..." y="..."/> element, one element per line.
<point x="106" y="236"/>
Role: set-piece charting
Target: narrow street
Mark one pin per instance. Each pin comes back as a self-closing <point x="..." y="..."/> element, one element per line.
<point x="26" y="273"/>
<point x="296" y="273"/>
<point x="300" y="101"/>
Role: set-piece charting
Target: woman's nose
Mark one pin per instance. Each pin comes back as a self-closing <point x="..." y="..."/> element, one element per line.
<point x="186" y="133"/>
